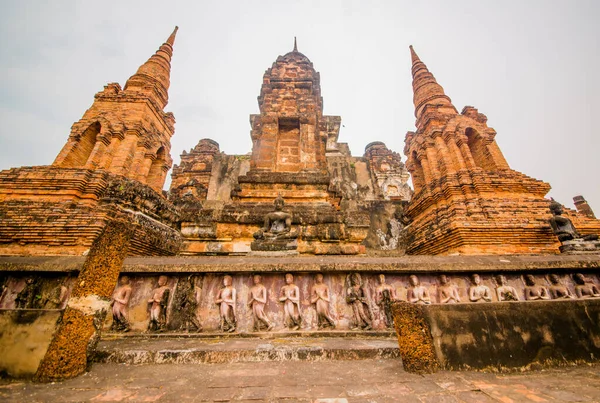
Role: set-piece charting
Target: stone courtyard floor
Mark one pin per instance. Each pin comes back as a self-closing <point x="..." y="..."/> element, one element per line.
<point x="306" y="381"/>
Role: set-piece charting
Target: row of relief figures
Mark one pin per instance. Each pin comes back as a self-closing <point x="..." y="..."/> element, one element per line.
<point x="292" y="301"/>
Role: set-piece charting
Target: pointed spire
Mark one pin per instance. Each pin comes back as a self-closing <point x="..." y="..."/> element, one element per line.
<point x="153" y="78"/>
<point x="426" y="90"/>
<point x="171" y="40"/>
<point x="295" y="45"/>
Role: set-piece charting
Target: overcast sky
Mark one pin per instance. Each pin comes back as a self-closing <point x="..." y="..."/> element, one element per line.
<point x="533" y="67"/>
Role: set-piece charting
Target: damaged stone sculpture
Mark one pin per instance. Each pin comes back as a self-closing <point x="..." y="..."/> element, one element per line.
<point x="534" y="292"/>
<point x="120" y="306"/>
<point x="257" y="301"/>
<point x="447" y="292"/>
<point x="28" y="297"/>
<point x="56" y="297"/>
<point x="505" y="292"/>
<point x="188" y="305"/>
<point x="226" y="299"/>
<point x="158" y="306"/>
<point x="583" y="289"/>
<point x="320" y="298"/>
<point x="385" y="295"/>
<point x="479" y="292"/>
<point x="277" y="233"/>
<point x="357" y="299"/>
<point x="290" y="296"/>
<point x="417" y="294"/>
<point x="571" y="241"/>
<point x="559" y="290"/>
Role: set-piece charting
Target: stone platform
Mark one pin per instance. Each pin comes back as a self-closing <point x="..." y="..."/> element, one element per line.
<point x="191" y="350"/>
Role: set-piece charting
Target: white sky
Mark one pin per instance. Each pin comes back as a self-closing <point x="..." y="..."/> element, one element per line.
<point x="531" y="66"/>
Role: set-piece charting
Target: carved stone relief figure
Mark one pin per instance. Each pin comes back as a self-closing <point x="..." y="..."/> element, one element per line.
<point x="534" y="292"/>
<point x="320" y="297"/>
<point x="257" y="301"/>
<point x="479" y="292"/>
<point x="384" y="296"/>
<point x="447" y="292"/>
<point x="28" y="297"/>
<point x="357" y="299"/>
<point x="227" y="299"/>
<point x="120" y="306"/>
<point x="56" y="297"/>
<point x="584" y="289"/>
<point x="158" y="302"/>
<point x="417" y="294"/>
<point x="557" y="289"/>
<point x="505" y="292"/>
<point x="187" y="303"/>
<point x="290" y="296"/>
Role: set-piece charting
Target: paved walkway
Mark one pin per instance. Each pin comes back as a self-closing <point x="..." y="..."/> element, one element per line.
<point x="302" y="381"/>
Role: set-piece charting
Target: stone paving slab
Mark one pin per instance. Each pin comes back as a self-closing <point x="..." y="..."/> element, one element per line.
<point x="193" y="351"/>
<point x="305" y="381"/>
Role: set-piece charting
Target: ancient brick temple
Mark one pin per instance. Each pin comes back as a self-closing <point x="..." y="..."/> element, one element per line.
<point x="312" y="241"/>
<point x="331" y="195"/>
<point x="467" y="199"/>
<point x="113" y="166"/>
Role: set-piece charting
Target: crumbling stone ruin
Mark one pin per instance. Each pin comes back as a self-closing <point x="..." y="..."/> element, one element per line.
<point x="297" y="236"/>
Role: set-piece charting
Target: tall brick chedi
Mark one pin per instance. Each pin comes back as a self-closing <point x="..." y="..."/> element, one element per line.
<point x="126" y="131"/>
<point x="289" y="136"/>
<point x="467" y="198"/>
<point x="113" y="167"/>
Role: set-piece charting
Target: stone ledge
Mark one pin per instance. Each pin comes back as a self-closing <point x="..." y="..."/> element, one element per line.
<point x="232" y="264"/>
<point x="252" y="335"/>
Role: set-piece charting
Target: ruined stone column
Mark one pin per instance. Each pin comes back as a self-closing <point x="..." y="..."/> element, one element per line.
<point x="79" y="330"/>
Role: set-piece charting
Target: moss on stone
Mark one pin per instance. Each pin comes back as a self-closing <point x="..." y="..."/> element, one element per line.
<point x="414" y="338"/>
<point x="78" y="333"/>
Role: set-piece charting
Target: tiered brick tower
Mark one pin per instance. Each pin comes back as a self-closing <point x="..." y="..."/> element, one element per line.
<point x="113" y="167"/>
<point x="126" y="131"/>
<point x="289" y="136"/>
<point x="467" y="199"/>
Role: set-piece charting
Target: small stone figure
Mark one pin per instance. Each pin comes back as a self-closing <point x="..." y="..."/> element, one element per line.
<point x="479" y="292"/>
<point x="417" y="294"/>
<point x="278" y="224"/>
<point x="290" y="296"/>
<point x="357" y="298"/>
<point x="505" y="292"/>
<point x="227" y="299"/>
<point x="120" y="306"/>
<point x="584" y="289"/>
<point x="320" y="297"/>
<point x="447" y="292"/>
<point x="571" y="241"/>
<point x="188" y="306"/>
<point x="557" y="289"/>
<point x="257" y="301"/>
<point x="534" y="292"/>
<point x="158" y="305"/>
<point x="56" y="298"/>
<point x="28" y="297"/>
<point x="385" y="295"/>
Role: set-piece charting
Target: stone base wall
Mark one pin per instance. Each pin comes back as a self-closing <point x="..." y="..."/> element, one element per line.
<point x="495" y="336"/>
<point x="24" y="339"/>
